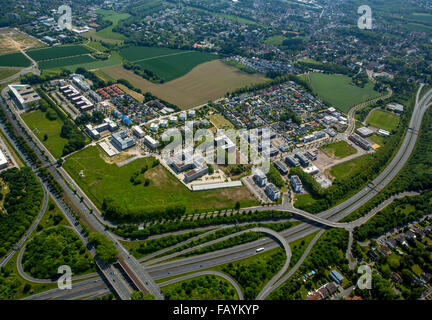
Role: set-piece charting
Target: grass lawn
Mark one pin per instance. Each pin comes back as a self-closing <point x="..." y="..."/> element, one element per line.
<point x="378" y="139"/>
<point x="417" y="270"/>
<point x="340" y="149"/>
<point x="339" y="92"/>
<point x="219" y="121"/>
<point x="303" y="200"/>
<point x="7" y="73"/>
<point x="16" y="59"/>
<point x="40" y="125"/>
<point x="101" y="179"/>
<point x="383" y="120"/>
<point x="348" y="168"/>
<point x="275" y="40"/>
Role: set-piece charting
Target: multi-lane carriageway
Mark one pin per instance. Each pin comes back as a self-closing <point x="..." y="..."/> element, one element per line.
<point x="328" y="217"/>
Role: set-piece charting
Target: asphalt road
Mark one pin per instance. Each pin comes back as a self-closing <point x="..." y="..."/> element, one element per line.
<point x="334" y="214"/>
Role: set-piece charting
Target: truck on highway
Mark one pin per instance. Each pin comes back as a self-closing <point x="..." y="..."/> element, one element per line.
<point x="259" y="249"/>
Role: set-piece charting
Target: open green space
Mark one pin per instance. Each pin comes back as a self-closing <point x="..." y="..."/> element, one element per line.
<point x="275" y="40"/>
<point x="108" y="34"/>
<point x="208" y="287"/>
<point x="4" y="74"/>
<point x="338" y="91"/>
<point x="65" y="62"/>
<point x="16" y="59"/>
<point x="99" y="179"/>
<point x="349" y="168"/>
<point x="383" y="120"/>
<point x="43" y="128"/>
<point x="339" y="149"/>
<point x="57" y="52"/>
<point x="168" y="64"/>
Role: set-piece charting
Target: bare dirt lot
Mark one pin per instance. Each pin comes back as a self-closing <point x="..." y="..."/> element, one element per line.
<point x="208" y="81"/>
<point x="13" y="40"/>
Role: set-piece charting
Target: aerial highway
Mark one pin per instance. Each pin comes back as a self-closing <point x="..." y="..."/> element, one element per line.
<point x="334" y="214"/>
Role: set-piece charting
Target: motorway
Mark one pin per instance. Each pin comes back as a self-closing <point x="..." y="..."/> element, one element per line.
<point x="335" y="214"/>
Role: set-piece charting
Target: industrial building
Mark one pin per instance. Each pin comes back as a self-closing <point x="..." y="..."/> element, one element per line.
<point x="122" y="141"/>
<point x="23" y="95"/>
<point x="272" y="192"/>
<point x="296" y="183"/>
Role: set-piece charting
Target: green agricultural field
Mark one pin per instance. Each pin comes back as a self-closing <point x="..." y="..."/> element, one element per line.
<point x="57" y="52"/>
<point x="41" y="125"/>
<point x="340" y="149"/>
<point x="107" y="34"/>
<point x="65" y="62"/>
<point x="16" y="59"/>
<point x="137" y="53"/>
<point x="348" y="168"/>
<point x="339" y="92"/>
<point x="383" y="120"/>
<point x="167" y="63"/>
<point x="113" y="60"/>
<point x="95" y="45"/>
<point x="99" y="179"/>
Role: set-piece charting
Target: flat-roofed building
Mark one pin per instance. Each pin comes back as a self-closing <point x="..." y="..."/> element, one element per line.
<point x="195" y="173"/>
<point x="138" y="131"/>
<point x="151" y="143"/>
<point x="260" y="178"/>
<point x="24" y="95"/>
<point x="364" y="132"/>
<point x="296" y="183"/>
<point x="292" y="162"/>
<point x="3" y="161"/>
<point x="272" y="192"/>
<point x="363" y="143"/>
<point x="283" y="169"/>
<point x="302" y="159"/>
<point x="122" y="141"/>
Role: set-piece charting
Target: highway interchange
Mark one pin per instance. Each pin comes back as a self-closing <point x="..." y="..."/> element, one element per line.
<point x="328" y="218"/>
